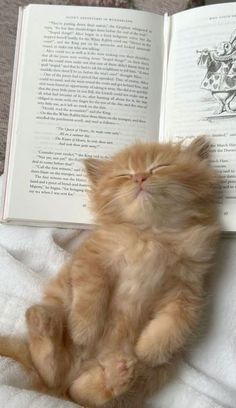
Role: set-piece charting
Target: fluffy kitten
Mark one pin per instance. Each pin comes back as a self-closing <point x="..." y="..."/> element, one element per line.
<point x="113" y="320"/>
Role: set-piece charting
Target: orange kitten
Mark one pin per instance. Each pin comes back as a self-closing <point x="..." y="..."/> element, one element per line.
<point x="113" y="321"/>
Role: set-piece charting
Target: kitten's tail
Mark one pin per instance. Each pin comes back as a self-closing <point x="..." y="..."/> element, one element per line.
<point x="18" y="350"/>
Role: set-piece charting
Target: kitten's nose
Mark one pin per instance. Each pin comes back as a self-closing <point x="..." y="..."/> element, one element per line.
<point x="140" y="177"/>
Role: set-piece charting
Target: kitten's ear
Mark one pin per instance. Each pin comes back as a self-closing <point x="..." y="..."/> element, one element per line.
<point x="94" y="168"/>
<point x="201" y="147"/>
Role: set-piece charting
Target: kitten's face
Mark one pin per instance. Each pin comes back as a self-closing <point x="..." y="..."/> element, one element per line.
<point x="150" y="184"/>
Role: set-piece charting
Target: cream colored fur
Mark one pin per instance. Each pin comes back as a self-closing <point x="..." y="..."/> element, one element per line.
<point x="114" y="320"/>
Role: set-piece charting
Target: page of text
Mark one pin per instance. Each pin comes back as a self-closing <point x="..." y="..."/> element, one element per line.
<point x="89" y="83"/>
<point x="201" y="90"/>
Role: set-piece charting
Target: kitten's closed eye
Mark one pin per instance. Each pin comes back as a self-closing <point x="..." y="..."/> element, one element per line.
<point x="150" y="171"/>
<point x="124" y="175"/>
<point x="158" y="167"/>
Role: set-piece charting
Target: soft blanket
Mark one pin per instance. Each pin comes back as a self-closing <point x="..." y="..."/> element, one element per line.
<point x="207" y="377"/>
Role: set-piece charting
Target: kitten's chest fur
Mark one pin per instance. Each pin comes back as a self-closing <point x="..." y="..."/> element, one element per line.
<point x="139" y="269"/>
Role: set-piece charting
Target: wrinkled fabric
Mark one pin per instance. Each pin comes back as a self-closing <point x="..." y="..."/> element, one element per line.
<point x="206" y="378"/>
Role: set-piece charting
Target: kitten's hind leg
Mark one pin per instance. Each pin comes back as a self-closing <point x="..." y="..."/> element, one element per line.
<point x="104" y="381"/>
<point x="119" y="372"/>
<point x="45" y="337"/>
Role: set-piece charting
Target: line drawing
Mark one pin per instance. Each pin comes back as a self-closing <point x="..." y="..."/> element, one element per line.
<point x="220" y="78"/>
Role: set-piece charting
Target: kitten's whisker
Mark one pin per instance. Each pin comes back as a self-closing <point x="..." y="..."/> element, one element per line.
<point x="116" y="197"/>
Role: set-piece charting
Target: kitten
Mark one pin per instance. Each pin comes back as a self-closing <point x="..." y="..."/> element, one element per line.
<point x="113" y="321"/>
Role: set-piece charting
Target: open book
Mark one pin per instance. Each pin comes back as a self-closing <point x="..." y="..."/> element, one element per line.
<point x="88" y="81"/>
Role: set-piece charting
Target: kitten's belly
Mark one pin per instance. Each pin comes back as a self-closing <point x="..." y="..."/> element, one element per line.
<point x="130" y="309"/>
<point x="136" y="261"/>
<point x="139" y="270"/>
<point x="139" y="275"/>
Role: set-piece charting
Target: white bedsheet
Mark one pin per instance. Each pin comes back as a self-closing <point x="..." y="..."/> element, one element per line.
<point x="207" y="378"/>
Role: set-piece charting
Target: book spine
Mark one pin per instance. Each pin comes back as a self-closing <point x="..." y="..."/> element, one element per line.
<point x="166" y="40"/>
<point x="11" y="112"/>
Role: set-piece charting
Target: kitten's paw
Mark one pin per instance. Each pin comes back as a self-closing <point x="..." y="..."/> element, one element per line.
<point x="150" y="354"/>
<point x="119" y="373"/>
<point x="101" y="383"/>
<point x="44" y="321"/>
<point x="89" y="389"/>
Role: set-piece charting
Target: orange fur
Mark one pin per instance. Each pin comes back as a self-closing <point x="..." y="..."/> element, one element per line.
<point x="115" y="318"/>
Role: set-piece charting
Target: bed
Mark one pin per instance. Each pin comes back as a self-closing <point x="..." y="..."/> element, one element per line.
<point x="207" y="375"/>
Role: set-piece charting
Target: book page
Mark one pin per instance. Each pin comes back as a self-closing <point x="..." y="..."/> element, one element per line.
<point x="201" y="90"/>
<point x="88" y="83"/>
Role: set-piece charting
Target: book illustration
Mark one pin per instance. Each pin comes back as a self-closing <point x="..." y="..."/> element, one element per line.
<point x="220" y="78"/>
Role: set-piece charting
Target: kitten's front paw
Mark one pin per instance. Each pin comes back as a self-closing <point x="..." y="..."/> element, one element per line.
<point x="149" y="353"/>
<point x="44" y="321"/>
